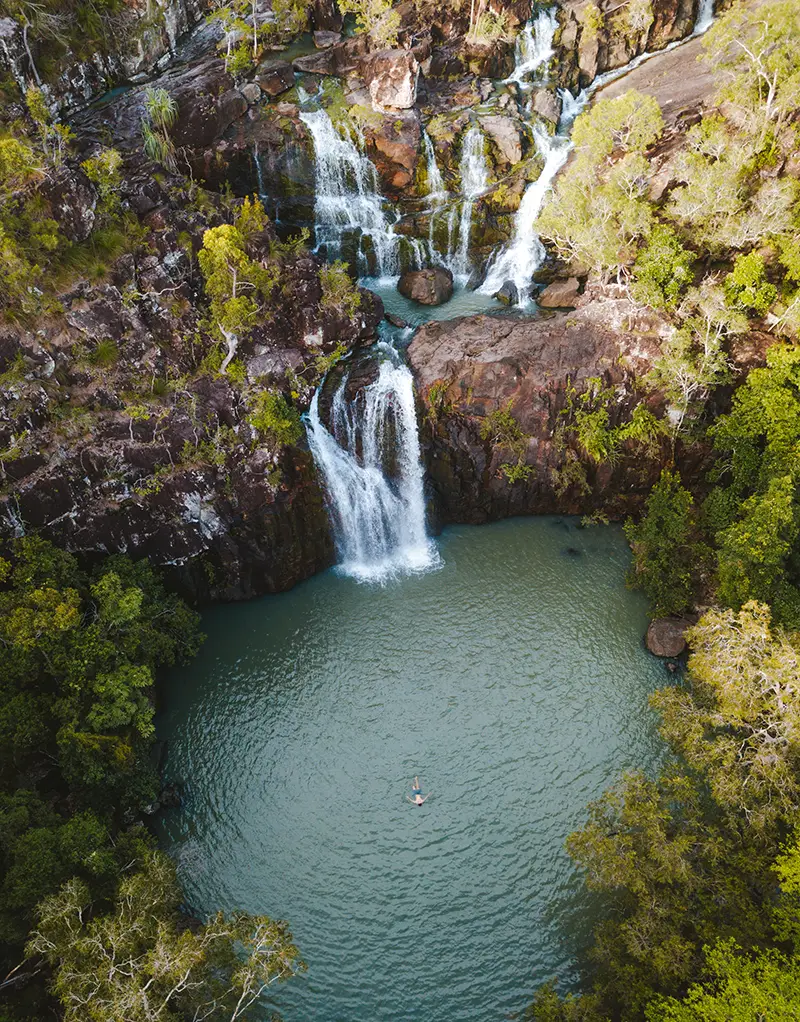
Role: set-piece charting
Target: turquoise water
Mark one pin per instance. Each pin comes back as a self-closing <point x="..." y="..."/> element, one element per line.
<point x="513" y="680"/>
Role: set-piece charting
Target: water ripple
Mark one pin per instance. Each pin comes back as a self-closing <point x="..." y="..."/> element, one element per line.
<point x="513" y="681"/>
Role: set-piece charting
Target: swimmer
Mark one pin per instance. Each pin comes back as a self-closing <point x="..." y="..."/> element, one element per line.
<point x="416" y="792"/>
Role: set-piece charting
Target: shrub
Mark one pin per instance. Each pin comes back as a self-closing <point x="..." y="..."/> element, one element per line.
<point x="339" y="293"/>
<point x="275" y="419"/>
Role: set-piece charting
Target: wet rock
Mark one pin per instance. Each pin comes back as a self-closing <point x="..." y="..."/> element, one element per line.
<point x="561" y="294"/>
<point x="251" y="92"/>
<point x="547" y="104"/>
<point x="505" y="134"/>
<point x="275" y="78"/>
<point x="665" y="636"/>
<point x="508" y="293"/>
<point x="397" y="321"/>
<point x="323" y="39"/>
<point x="391" y="77"/>
<point x="476" y="278"/>
<point x="170" y="796"/>
<point x="433" y="286"/>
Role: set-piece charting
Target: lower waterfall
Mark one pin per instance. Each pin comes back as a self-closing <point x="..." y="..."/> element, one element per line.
<point x="373" y="474"/>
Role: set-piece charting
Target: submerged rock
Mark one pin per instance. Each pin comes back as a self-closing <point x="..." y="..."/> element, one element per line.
<point x="665" y="636"/>
<point x="433" y="286"/>
<point x="561" y="294"/>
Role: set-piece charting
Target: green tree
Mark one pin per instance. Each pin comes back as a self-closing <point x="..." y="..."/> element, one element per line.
<point x="746" y="286"/>
<point x="665" y="550"/>
<point x="755" y="49"/>
<point x="738" y="726"/>
<point x="235" y="283"/>
<point x="376" y="17"/>
<point x="599" y="212"/>
<point x="140" y="961"/>
<point x="275" y="419"/>
<point x="662" y="270"/>
<point x="737" y="987"/>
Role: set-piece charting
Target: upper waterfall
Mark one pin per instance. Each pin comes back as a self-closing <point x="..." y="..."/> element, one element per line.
<point x="519" y="260"/>
<point x="348" y="204"/>
<point x="534" y="46"/>
<point x="372" y="470"/>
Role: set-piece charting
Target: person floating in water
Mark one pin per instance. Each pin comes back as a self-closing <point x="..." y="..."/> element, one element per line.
<point x="416" y="798"/>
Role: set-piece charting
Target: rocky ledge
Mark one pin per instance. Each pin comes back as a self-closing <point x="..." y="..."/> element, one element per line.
<point x="468" y="369"/>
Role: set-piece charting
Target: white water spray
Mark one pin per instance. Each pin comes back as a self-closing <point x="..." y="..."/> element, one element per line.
<point x="705" y="17"/>
<point x="437" y="190"/>
<point x="534" y="46"/>
<point x="348" y="201"/>
<point x="519" y="260"/>
<point x="474" y="182"/>
<point x="378" y="515"/>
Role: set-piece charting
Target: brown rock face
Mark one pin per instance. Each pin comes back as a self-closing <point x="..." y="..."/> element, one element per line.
<point x="391" y="77"/>
<point x="665" y="636"/>
<point x="428" y="287"/>
<point x="484" y="364"/>
<point x="561" y="294"/>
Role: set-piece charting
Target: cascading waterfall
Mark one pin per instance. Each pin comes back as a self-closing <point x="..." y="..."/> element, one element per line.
<point x="437" y="190"/>
<point x="348" y="201"/>
<point x="474" y="182"/>
<point x="534" y="46"/>
<point x="378" y="515"/>
<point x="524" y="254"/>
<point x="705" y="17"/>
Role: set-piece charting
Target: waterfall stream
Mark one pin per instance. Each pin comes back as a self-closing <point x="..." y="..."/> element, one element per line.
<point x="474" y="182"/>
<point x="348" y="206"/>
<point x="373" y="474"/>
<point x="534" y="46"/>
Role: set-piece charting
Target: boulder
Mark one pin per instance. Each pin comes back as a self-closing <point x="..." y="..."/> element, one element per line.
<point x="275" y="77"/>
<point x="391" y="76"/>
<point x="561" y="294"/>
<point x="505" y="134"/>
<point x="251" y="92"/>
<point x="547" y="104"/>
<point x="665" y="636"/>
<point x="508" y="293"/>
<point x="323" y="39"/>
<point x="476" y="278"/>
<point x="433" y="286"/>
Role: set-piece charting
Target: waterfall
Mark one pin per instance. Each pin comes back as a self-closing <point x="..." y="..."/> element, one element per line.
<point x="348" y="203"/>
<point x="705" y="17"/>
<point x="534" y="46"/>
<point x="474" y="182"/>
<point x="524" y="254"/>
<point x="437" y="190"/>
<point x="378" y="518"/>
